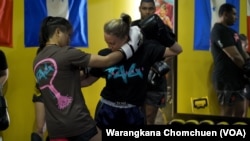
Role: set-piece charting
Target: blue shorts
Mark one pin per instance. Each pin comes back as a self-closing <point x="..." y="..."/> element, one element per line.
<point x="108" y="115"/>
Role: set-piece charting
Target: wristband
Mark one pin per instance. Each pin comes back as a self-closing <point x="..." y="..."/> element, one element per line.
<point x="127" y="50"/>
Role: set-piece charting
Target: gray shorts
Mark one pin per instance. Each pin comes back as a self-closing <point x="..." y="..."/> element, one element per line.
<point x="157" y="99"/>
<point x="230" y="97"/>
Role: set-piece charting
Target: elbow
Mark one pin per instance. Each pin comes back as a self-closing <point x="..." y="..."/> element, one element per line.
<point x="179" y="51"/>
<point x="176" y="48"/>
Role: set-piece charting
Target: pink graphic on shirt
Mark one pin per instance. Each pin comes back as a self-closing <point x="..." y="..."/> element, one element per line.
<point x="42" y="70"/>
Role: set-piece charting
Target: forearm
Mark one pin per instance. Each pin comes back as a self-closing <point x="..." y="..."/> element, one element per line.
<point x="246" y="56"/>
<point x="238" y="60"/>
<point x="233" y="53"/>
<point x="113" y="58"/>
<point x="97" y="61"/>
<point x="169" y="53"/>
<point x="176" y="48"/>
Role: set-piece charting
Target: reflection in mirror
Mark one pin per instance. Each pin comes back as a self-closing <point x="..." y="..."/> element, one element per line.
<point x="166" y="10"/>
<point x="194" y="74"/>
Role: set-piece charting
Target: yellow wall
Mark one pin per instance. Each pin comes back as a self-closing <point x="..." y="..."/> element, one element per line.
<point x="193" y="66"/>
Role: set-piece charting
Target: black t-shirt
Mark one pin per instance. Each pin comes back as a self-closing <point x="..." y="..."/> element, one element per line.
<point x="3" y="61"/>
<point x="127" y="80"/>
<point x="226" y="74"/>
<point x="160" y="84"/>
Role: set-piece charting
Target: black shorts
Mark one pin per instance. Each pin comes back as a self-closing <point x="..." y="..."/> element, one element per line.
<point x="230" y="97"/>
<point x="37" y="97"/>
<point x="157" y="99"/>
<point x="83" y="137"/>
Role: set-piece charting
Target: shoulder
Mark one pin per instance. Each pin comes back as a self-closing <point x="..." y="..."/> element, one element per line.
<point x="218" y="26"/>
<point x="151" y="44"/>
<point x="136" y="22"/>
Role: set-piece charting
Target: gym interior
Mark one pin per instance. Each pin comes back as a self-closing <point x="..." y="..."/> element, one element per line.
<point x="191" y="76"/>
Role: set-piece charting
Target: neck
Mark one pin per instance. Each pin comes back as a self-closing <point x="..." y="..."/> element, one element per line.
<point x="51" y="44"/>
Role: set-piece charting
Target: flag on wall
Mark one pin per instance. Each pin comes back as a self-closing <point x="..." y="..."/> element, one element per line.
<point x="206" y="14"/>
<point x="6" y="16"/>
<point x="73" y="10"/>
<point x="248" y="23"/>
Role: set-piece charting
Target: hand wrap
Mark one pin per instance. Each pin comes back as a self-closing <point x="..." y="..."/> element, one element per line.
<point x="131" y="47"/>
<point x="159" y="69"/>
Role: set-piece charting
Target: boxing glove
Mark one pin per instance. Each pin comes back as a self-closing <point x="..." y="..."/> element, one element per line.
<point x="153" y="27"/>
<point x="4" y="115"/>
<point x="84" y="72"/>
<point x="159" y="69"/>
<point x="131" y="47"/>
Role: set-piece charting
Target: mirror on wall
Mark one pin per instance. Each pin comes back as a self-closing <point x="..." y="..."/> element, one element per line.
<point x="167" y="10"/>
<point x="193" y="93"/>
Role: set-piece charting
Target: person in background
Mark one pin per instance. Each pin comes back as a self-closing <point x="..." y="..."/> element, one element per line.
<point x="4" y="75"/>
<point x="229" y="59"/>
<point x="157" y="84"/>
<point x="4" y="72"/>
<point x="244" y="44"/>
<point x="124" y="94"/>
<point x="57" y="72"/>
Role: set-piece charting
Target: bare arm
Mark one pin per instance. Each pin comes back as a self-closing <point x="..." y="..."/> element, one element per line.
<point x="245" y="55"/>
<point x="172" y="51"/>
<point x="97" y="61"/>
<point x="176" y="47"/>
<point x="234" y="55"/>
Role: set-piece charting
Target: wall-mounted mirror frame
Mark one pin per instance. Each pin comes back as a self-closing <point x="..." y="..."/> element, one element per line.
<point x="174" y="85"/>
